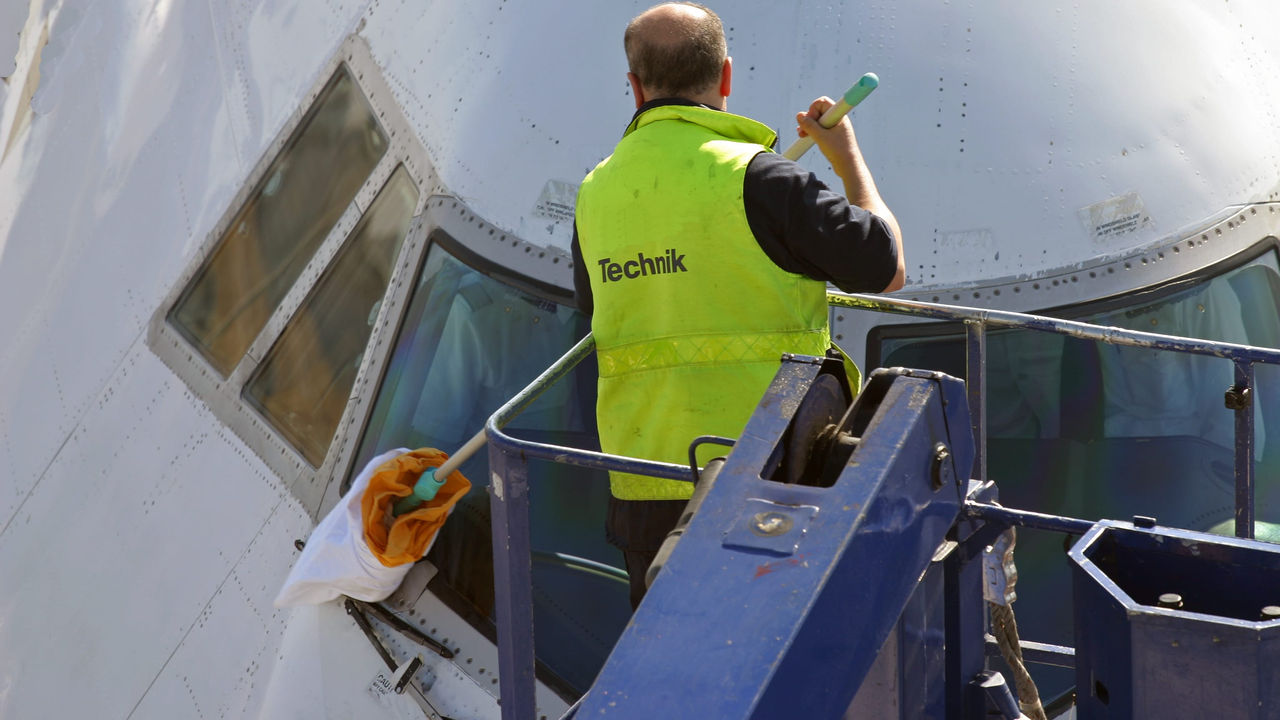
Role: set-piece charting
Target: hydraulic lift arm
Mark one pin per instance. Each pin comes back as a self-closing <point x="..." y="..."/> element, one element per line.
<point x="809" y="544"/>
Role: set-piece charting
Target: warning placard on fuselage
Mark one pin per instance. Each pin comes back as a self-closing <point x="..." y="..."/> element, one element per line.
<point x="557" y="201"/>
<point x="1119" y="215"/>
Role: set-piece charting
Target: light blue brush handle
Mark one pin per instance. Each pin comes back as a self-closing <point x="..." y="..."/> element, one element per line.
<point x="423" y="490"/>
<point x="427" y="486"/>
<point x="847" y="102"/>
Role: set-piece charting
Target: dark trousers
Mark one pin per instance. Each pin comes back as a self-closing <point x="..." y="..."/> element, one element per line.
<point x="637" y="528"/>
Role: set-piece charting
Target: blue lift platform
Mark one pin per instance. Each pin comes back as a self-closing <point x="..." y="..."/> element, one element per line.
<point x="779" y="593"/>
<point x="843" y="561"/>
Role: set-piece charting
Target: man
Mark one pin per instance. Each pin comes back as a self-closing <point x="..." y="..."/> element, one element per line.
<point x="702" y="256"/>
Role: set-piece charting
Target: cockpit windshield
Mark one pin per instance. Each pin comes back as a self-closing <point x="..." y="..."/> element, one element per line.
<point x="468" y="343"/>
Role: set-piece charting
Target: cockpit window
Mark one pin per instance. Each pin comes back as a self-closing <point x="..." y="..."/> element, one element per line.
<point x="302" y="195"/>
<point x="303" y="384"/>
<point x="1065" y="405"/>
<point x="470" y="342"/>
<point x="1080" y="428"/>
<point x="282" y="323"/>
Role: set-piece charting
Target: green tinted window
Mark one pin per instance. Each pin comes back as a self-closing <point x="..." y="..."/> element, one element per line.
<point x="1093" y="430"/>
<point x="303" y="384"/>
<point x="265" y="248"/>
<point x="467" y="345"/>
<point x="1080" y="428"/>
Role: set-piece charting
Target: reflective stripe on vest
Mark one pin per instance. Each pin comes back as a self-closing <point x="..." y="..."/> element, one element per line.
<point x="706" y="350"/>
<point x="691" y="317"/>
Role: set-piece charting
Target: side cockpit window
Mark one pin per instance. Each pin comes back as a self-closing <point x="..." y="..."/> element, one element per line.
<point x="271" y="325"/>
<point x="303" y="384"/>
<point x="266" y="246"/>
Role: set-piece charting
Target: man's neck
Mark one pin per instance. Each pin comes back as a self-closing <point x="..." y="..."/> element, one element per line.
<point x="659" y="102"/>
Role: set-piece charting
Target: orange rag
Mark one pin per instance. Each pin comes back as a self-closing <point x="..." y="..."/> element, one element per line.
<point x="408" y="536"/>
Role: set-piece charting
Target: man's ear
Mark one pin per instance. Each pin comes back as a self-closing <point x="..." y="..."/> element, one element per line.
<point x="637" y="90"/>
<point x="726" y="77"/>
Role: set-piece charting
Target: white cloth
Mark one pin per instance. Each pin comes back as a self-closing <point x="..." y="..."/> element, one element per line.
<point x="336" y="560"/>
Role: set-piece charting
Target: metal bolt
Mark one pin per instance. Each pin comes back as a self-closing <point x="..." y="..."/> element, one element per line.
<point x="1271" y="612"/>
<point x="770" y="524"/>
<point x="941" y="455"/>
<point x="1173" y="601"/>
<point x="1237" y="397"/>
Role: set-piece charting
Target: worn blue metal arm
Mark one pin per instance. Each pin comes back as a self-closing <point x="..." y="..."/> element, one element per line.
<point x="778" y="597"/>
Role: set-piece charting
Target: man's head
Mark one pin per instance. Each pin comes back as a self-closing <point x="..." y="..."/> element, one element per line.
<point x="677" y="49"/>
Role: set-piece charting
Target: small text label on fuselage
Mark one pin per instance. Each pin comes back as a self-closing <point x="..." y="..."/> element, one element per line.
<point x="642" y="266"/>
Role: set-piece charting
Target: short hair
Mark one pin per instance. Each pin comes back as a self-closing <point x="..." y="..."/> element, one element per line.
<point x="685" y="65"/>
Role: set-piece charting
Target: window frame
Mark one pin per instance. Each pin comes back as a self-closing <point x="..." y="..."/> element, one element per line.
<point x="545" y="271"/>
<point x="223" y="395"/>
<point x="258" y="402"/>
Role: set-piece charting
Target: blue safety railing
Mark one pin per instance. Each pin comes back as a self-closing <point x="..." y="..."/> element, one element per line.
<point x="512" y="551"/>
<point x="509" y="456"/>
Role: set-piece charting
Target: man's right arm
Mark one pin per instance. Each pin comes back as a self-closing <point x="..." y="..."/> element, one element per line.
<point x="805" y="227"/>
<point x="840" y="146"/>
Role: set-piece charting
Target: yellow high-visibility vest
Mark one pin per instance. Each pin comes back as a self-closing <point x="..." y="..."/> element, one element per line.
<point x="691" y="316"/>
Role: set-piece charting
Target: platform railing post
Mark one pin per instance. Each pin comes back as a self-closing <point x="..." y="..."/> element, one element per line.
<point x="965" y="614"/>
<point x="1239" y="399"/>
<point x="975" y="385"/>
<point x="512" y="583"/>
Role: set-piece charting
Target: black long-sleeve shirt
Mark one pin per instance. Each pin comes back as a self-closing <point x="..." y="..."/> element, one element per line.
<point x="801" y="224"/>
